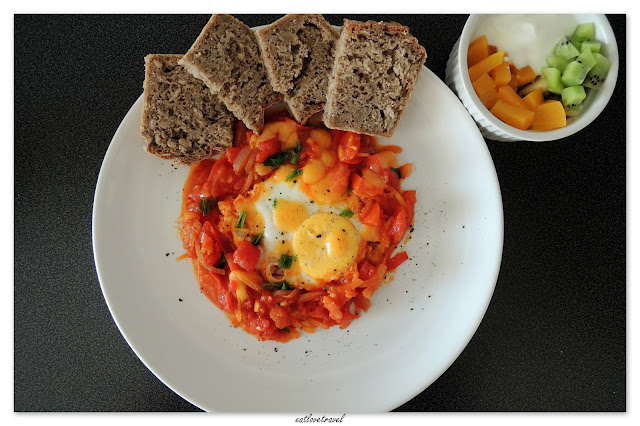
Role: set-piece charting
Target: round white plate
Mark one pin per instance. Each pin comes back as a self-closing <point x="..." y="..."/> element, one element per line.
<point x="417" y="325"/>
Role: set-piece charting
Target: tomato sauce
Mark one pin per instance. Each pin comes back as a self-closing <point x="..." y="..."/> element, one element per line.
<point x="225" y="265"/>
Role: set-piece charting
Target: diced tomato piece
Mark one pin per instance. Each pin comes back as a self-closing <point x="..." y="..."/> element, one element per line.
<point x="349" y="146"/>
<point x="392" y="178"/>
<point x="366" y="270"/>
<point x="371" y="214"/>
<point x="364" y="188"/>
<point x="410" y="196"/>
<point x="267" y="148"/>
<point x="231" y="153"/>
<point x="210" y="250"/>
<point x="239" y="133"/>
<point x="280" y="316"/>
<point x="340" y="180"/>
<point x="374" y="162"/>
<point x="398" y="225"/>
<point x="397" y="260"/>
<point x="221" y="179"/>
<point x="246" y="255"/>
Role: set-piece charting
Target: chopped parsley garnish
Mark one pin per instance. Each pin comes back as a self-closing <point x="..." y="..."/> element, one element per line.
<point x="294" y="174"/>
<point x="275" y="203"/>
<point x="206" y="204"/>
<point x="223" y="261"/>
<point x="294" y="157"/>
<point x="281" y="285"/>
<point x="291" y="155"/>
<point x="277" y="160"/>
<point x="397" y="170"/>
<point x="255" y="239"/>
<point x="286" y="261"/>
<point x="241" y="219"/>
<point x="346" y="213"/>
<point x="295" y="154"/>
<point x="286" y="286"/>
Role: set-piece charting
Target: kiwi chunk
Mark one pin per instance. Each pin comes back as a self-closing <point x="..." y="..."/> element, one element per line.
<point x="557" y="62"/>
<point x="596" y="75"/>
<point x="584" y="32"/>
<point x="593" y="46"/>
<point x="574" y="74"/>
<point x="587" y="59"/>
<point x="538" y="83"/>
<point x="572" y="111"/>
<point x="565" y="49"/>
<point x="553" y="77"/>
<point x="573" y="96"/>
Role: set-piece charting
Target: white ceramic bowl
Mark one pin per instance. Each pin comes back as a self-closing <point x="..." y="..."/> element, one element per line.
<point x="457" y="78"/>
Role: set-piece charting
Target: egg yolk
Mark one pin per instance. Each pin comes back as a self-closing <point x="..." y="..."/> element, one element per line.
<point x="325" y="245"/>
<point x="289" y="215"/>
<point x="254" y="221"/>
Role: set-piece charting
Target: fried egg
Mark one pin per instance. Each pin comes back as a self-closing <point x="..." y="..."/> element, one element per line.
<point x="316" y="233"/>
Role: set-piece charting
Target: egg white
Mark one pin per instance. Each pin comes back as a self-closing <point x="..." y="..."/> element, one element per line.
<point x="273" y="235"/>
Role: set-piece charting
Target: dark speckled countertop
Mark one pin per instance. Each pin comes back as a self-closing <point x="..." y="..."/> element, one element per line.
<point x="554" y="335"/>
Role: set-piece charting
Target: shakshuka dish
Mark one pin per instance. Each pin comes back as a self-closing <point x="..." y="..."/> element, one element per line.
<point x="295" y="228"/>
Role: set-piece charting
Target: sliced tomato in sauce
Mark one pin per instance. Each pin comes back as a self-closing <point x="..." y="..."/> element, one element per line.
<point x="340" y="180"/>
<point x="397" y="260"/>
<point x="268" y="148"/>
<point x="398" y="225"/>
<point x="365" y="188"/>
<point x="246" y="255"/>
<point x="349" y="146"/>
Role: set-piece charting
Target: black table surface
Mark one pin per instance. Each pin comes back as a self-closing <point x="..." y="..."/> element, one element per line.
<point x="553" y="337"/>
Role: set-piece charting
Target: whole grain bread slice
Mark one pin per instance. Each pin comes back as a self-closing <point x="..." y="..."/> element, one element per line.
<point x="182" y="120"/>
<point x="298" y="52"/>
<point x="375" y="70"/>
<point x="226" y="57"/>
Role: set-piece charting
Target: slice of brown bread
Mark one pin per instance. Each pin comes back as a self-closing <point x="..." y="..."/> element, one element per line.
<point x="227" y="58"/>
<point x="298" y="52"/>
<point x="375" y="70"/>
<point x="182" y="120"/>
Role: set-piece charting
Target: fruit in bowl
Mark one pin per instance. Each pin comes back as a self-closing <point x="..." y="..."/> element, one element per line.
<point x="543" y="101"/>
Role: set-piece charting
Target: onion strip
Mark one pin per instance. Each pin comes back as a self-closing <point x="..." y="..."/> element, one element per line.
<point x="241" y="159"/>
<point x="251" y="161"/>
<point x="201" y="260"/>
<point x="309" y="296"/>
<point x="245" y="278"/>
<point x="248" y="181"/>
<point x="398" y="196"/>
<point x="287" y="294"/>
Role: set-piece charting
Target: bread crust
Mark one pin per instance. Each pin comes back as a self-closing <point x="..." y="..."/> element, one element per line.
<point x="226" y="57"/>
<point x="375" y="70"/>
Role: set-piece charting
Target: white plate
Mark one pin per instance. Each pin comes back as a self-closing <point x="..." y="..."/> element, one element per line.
<point x="416" y="327"/>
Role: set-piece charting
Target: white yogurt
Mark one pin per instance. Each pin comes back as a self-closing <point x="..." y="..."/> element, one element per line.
<point x="528" y="39"/>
